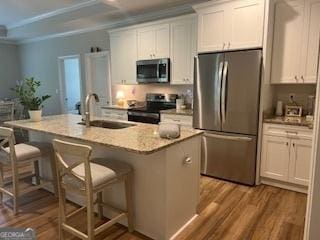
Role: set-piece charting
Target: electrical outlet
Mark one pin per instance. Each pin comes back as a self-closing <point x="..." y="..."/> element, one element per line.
<point x="292" y="96"/>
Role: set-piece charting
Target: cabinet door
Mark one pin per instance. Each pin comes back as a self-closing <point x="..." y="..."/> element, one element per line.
<point x="310" y="46"/>
<point x="287" y="41"/>
<point x="275" y="157"/>
<point x="146" y="43"/>
<point x="123" y="46"/>
<point x="246" y="24"/>
<point x="300" y="160"/>
<point x="162" y="41"/>
<point x="181" y="52"/>
<point x="212" y="28"/>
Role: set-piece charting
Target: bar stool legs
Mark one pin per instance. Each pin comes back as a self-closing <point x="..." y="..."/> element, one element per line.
<point x="128" y="190"/>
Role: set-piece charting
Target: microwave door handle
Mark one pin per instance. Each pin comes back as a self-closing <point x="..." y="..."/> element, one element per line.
<point x="223" y="91"/>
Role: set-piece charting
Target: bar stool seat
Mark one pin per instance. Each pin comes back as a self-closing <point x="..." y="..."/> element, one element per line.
<point x="102" y="171"/>
<point x="27" y="151"/>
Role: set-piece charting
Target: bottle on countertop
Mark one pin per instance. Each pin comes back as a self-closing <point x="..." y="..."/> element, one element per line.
<point x="279" y="109"/>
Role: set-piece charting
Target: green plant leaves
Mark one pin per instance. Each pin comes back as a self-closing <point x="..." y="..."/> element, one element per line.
<point x="26" y="91"/>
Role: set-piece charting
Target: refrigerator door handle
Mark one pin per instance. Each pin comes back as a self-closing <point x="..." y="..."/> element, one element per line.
<point x="218" y="91"/>
<point x="223" y="92"/>
<point x="235" y="138"/>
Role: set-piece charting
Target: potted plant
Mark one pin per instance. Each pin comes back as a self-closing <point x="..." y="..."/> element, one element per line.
<point x="26" y="91"/>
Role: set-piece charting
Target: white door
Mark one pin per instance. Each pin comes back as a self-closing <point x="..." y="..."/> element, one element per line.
<point x="123" y="47"/>
<point x="310" y="46"/>
<point x="98" y="79"/>
<point x="70" y="84"/>
<point x="275" y="157"/>
<point x="181" y="52"/>
<point x="162" y="41"/>
<point x="300" y="160"/>
<point x="246" y="24"/>
<point x="212" y="28"/>
<point x="146" y="43"/>
<point x="287" y="41"/>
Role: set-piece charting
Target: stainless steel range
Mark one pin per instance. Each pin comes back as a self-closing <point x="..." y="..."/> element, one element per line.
<point x="150" y="113"/>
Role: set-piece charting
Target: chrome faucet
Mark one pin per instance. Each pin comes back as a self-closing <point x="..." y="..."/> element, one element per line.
<point x="87" y="114"/>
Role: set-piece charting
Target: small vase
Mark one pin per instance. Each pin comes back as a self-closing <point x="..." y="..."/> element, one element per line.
<point x="35" y="115"/>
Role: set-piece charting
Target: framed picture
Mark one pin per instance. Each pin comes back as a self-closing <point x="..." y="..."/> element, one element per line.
<point x="293" y="111"/>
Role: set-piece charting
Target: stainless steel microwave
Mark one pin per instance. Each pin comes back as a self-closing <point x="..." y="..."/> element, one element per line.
<point x="153" y="71"/>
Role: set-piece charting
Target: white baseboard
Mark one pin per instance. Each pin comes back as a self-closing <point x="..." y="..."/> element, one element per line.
<point x="183" y="227"/>
<point x="284" y="185"/>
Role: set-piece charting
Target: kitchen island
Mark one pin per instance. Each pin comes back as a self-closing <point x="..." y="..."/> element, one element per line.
<point x="166" y="172"/>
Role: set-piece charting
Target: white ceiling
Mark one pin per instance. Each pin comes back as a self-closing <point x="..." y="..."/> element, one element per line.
<point x="28" y="19"/>
<point x="14" y="11"/>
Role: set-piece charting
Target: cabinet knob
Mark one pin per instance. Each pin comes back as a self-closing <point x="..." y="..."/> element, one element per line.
<point x="223" y="45"/>
<point x="293" y="144"/>
<point x="187" y="160"/>
<point x="302" y="78"/>
<point x="287" y="144"/>
<point x="229" y="44"/>
<point x="296" y="78"/>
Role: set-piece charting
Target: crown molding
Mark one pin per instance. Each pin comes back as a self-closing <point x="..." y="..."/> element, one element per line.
<point x="152" y="16"/>
<point x="53" y="13"/>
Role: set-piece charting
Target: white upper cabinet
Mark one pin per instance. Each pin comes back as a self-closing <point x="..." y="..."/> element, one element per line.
<point x="123" y="47"/>
<point x="287" y="39"/>
<point x="295" y="41"/>
<point x="246" y="24"/>
<point x="182" y="50"/>
<point x="310" y="45"/>
<point x="154" y="42"/>
<point x="230" y="25"/>
<point x="211" y="25"/>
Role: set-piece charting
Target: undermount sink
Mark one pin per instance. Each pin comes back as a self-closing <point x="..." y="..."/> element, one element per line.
<point x="108" y="124"/>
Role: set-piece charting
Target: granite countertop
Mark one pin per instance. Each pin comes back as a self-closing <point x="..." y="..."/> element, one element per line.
<point x="141" y="138"/>
<point x="295" y="121"/>
<point x="187" y="112"/>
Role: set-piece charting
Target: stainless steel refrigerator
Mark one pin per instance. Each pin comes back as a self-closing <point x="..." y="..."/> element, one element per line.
<point x="226" y="106"/>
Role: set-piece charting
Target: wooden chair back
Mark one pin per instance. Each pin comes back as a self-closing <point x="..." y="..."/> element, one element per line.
<point x="6" y="111"/>
<point x="70" y="155"/>
<point x="7" y="139"/>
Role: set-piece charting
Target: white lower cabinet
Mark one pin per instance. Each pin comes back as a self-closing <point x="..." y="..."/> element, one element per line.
<point x="286" y="153"/>
<point x="115" y="114"/>
<point x="300" y="156"/>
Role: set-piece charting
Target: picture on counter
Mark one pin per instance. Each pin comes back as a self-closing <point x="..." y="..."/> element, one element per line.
<point x="293" y="111"/>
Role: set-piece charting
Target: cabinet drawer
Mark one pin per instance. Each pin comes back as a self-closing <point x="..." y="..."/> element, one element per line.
<point x="180" y="119"/>
<point x="287" y="131"/>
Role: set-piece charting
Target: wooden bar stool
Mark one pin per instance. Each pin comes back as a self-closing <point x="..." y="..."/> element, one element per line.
<point x="78" y="174"/>
<point x="20" y="154"/>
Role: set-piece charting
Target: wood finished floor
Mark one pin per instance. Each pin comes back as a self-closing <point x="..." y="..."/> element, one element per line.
<point x="227" y="211"/>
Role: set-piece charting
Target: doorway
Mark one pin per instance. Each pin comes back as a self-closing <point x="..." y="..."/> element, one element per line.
<point x="98" y="79"/>
<point x="70" y="84"/>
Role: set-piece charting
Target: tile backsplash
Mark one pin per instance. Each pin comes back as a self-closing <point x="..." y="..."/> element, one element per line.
<point x="138" y="92"/>
<point x="281" y="92"/>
